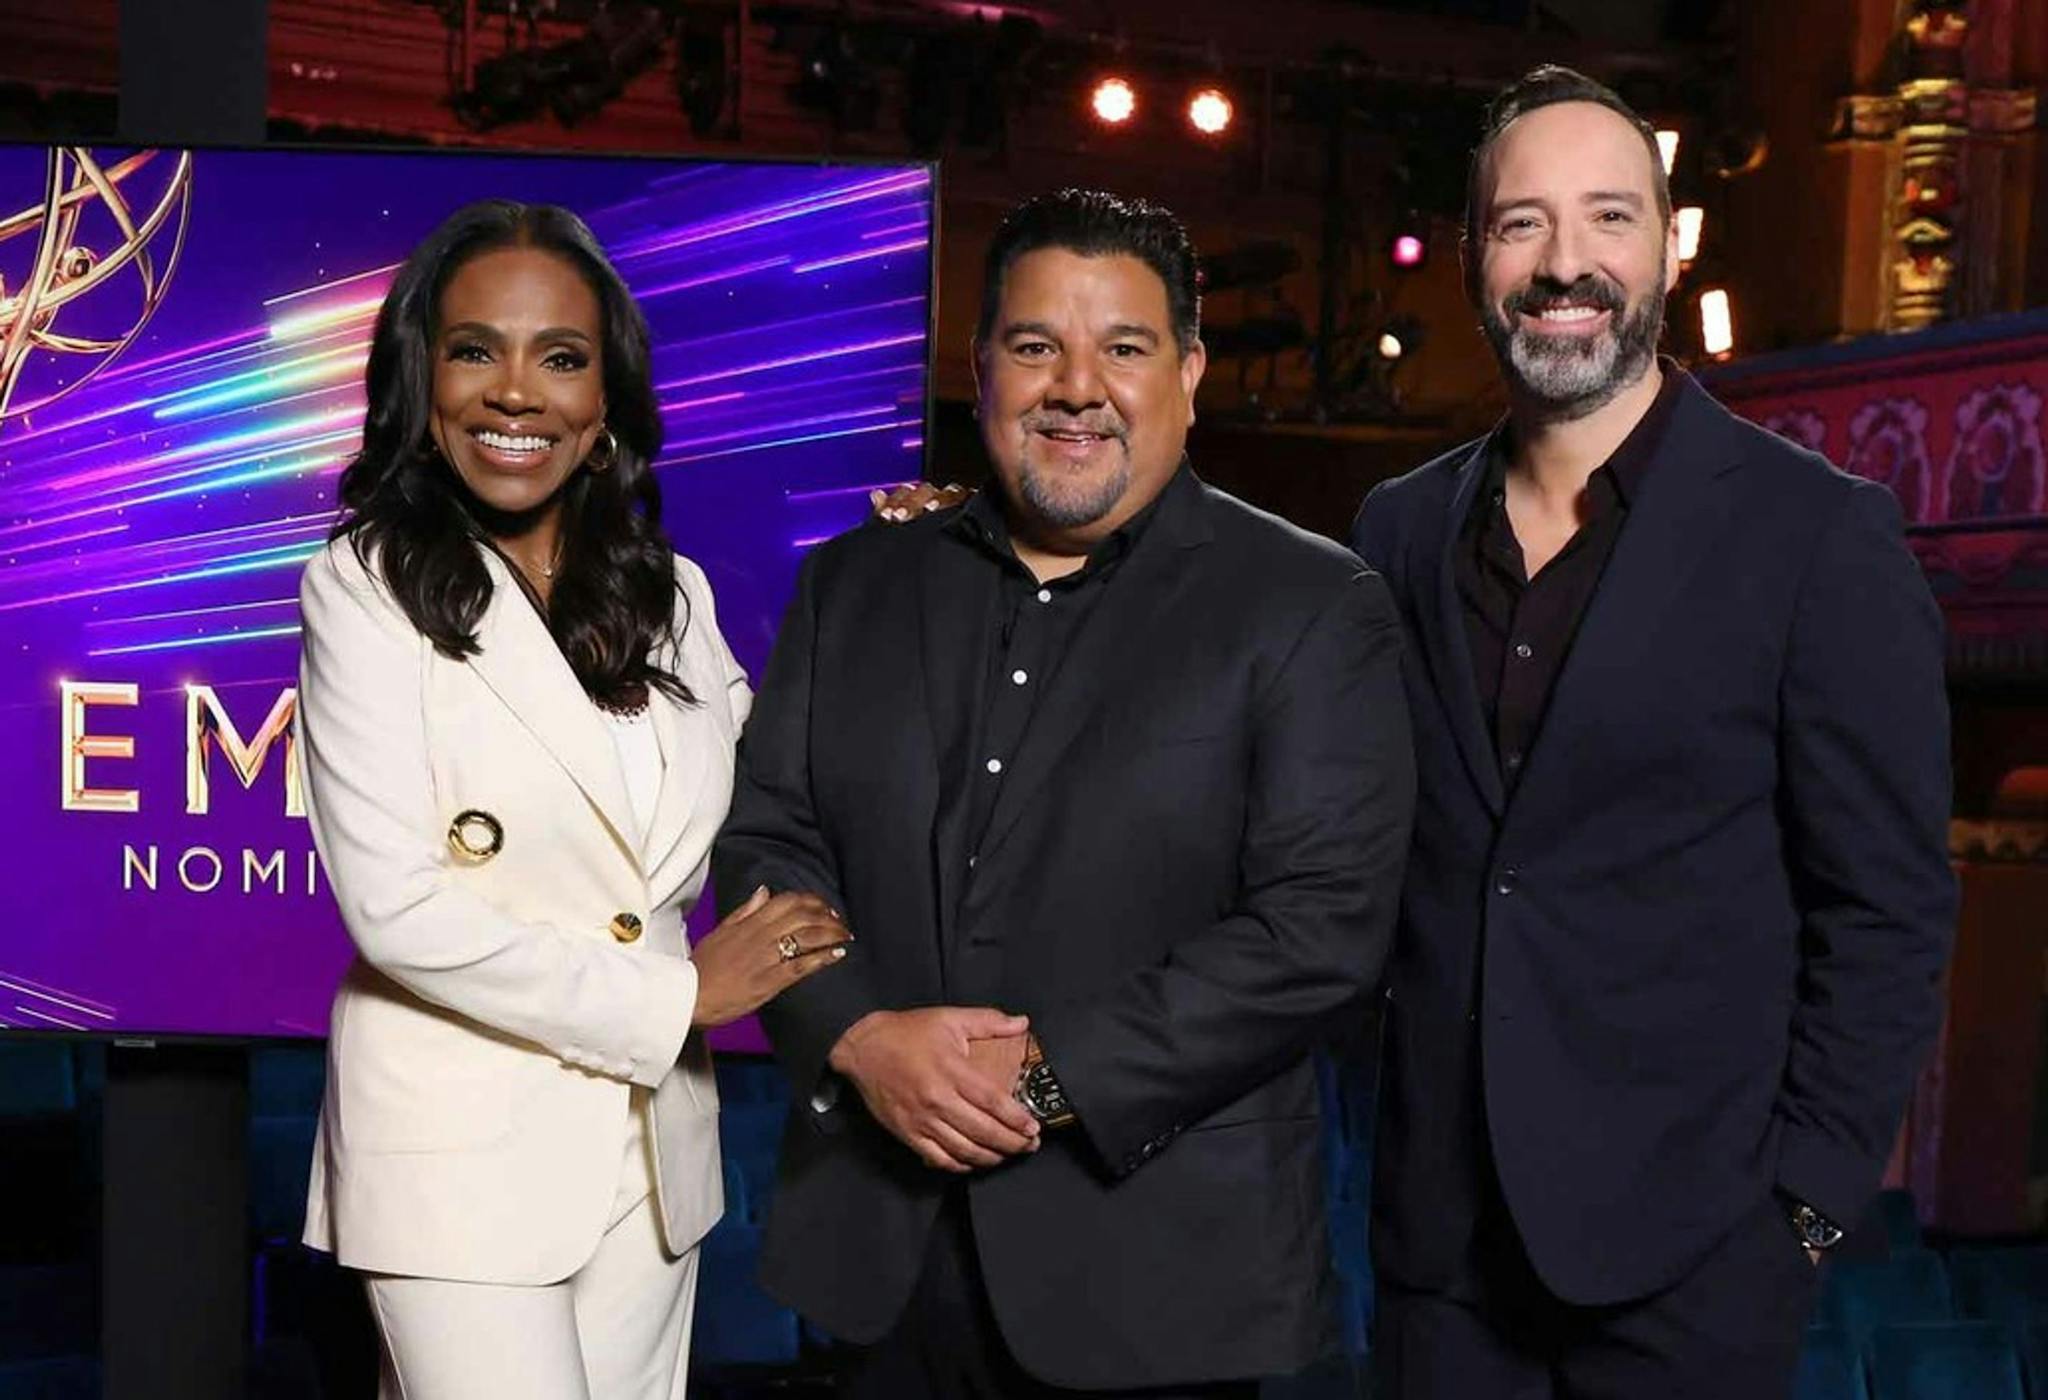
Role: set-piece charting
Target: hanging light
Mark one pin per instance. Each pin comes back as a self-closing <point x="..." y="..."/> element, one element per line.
<point x="1692" y="221"/>
<point x="1114" y="101"/>
<point x="1667" y="149"/>
<point x="1717" y="322"/>
<point x="1210" y="111"/>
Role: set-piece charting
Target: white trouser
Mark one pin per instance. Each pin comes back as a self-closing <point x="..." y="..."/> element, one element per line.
<point x="616" y="1329"/>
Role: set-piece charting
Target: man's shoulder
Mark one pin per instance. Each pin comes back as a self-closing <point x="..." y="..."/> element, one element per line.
<point x="1282" y="549"/>
<point x="1428" y="486"/>
<point x="1790" y="467"/>
<point x="881" y="546"/>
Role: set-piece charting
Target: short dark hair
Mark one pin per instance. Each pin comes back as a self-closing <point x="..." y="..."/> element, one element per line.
<point x="1546" y="87"/>
<point x="1095" y="223"/>
<point x="615" y="597"/>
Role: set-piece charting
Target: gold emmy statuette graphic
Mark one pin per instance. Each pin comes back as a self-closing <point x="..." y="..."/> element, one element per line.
<point x="66" y="269"/>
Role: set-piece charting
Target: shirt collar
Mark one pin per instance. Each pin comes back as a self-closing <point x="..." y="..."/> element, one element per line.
<point x="981" y="520"/>
<point x="1630" y="462"/>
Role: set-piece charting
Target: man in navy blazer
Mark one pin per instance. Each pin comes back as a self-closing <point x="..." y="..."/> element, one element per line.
<point x="1678" y="900"/>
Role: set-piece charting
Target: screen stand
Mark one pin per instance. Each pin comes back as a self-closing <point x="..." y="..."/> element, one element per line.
<point x="174" y="1252"/>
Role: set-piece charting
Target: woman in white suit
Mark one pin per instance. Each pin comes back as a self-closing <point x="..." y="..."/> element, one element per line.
<point x="518" y="721"/>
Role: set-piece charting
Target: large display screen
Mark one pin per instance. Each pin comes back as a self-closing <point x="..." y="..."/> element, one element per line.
<point x="181" y="383"/>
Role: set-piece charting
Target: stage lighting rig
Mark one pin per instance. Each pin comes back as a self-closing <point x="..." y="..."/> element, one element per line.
<point x="622" y="42"/>
<point x="575" y="77"/>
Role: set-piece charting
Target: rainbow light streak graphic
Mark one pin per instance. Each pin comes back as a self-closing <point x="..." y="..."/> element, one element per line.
<point x="153" y="524"/>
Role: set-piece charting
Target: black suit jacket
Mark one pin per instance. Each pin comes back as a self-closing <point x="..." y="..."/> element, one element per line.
<point x="1695" y="957"/>
<point x="1191" y="865"/>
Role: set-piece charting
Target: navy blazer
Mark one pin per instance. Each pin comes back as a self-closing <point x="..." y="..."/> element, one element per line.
<point x="1695" y="956"/>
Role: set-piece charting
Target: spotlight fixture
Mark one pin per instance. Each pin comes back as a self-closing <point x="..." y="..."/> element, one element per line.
<point x="1209" y="111"/>
<point x="1114" y="101"/>
<point x="1408" y="245"/>
<point x="1667" y="149"/>
<point x="1692" y="222"/>
<point x="1717" y="322"/>
<point x="1400" y="336"/>
<point x="620" y="44"/>
<point x="834" y="78"/>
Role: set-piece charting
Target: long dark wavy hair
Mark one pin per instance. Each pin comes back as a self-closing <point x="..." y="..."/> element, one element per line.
<point x="615" y="590"/>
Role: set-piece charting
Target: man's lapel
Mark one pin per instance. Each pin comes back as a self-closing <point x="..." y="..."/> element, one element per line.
<point x="1440" y="617"/>
<point x="1675" y="522"/>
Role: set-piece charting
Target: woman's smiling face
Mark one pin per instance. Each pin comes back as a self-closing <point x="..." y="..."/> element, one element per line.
<point x="518" y="395"/>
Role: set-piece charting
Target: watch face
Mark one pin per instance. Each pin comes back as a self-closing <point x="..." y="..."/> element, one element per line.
<point x="1042" y="1093"/>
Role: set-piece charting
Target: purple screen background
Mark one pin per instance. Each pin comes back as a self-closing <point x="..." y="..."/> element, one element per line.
<point x="153" y="523"/>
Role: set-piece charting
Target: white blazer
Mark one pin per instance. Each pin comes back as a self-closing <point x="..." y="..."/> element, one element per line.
<point x="484" y="1043"/>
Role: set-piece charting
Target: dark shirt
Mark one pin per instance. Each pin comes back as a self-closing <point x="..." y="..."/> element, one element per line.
<point x="1026" y="630"/>
<point x="1520" y="629"/>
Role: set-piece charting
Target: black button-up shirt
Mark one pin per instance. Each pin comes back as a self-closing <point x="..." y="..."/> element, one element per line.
<point x="1520" y="629"/>
<point x="1026" y="630"/>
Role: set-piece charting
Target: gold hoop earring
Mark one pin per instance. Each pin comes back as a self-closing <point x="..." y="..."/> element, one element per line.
<point x="608" y="442"/>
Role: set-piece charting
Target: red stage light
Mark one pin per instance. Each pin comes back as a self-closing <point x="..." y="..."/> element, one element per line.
<point x="1409" y="250"/>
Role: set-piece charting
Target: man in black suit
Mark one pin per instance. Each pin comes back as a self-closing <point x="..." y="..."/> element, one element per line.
<point x="1126" y="759"/>
<point x="1679" y="898"/>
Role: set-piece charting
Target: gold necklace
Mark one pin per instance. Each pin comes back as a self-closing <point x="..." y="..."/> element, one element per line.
<point x="547" y="570"/>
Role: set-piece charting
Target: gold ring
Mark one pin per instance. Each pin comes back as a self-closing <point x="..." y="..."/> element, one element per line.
<point x="475" y="836"/>
<point x="787" y="948"/>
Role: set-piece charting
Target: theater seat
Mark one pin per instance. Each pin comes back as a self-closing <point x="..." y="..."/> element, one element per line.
<point x="36" y="1079"/>
<point x="47" y="1311"/>
<point x="1899" y="1220"/>
<point x="2001" y="1285"/>
<point x="1353" y="1258"/>
<point x="738" y="1207"/>
<point x="1860" y="1295"/>
<point x="750" y="1079"/>
<point x="1944" y="1361"/>
<point x="750" y="1134"/>
<point x="280" y="1165"/>
<point x="737" y="1323"/>
<point x="2034" y="1359"/>
<point x="59" y="1378"/>
<point x="285" y="1080"/>
<point x="1829" y="1368"/>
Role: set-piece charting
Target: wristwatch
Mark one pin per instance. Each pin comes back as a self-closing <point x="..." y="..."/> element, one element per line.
<point x="1038" y="1088"/>
<point x="1815" y="1230"/>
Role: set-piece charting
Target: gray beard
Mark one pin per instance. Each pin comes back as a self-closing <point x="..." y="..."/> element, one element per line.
<point x="1575" y="377"/>
<point x="1069" y="509"/>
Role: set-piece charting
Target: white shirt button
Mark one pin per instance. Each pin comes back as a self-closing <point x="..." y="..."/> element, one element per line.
<point x="1045" y="595"/>
<point x="995" y="765"/>
<point x="1018" y="678"/>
